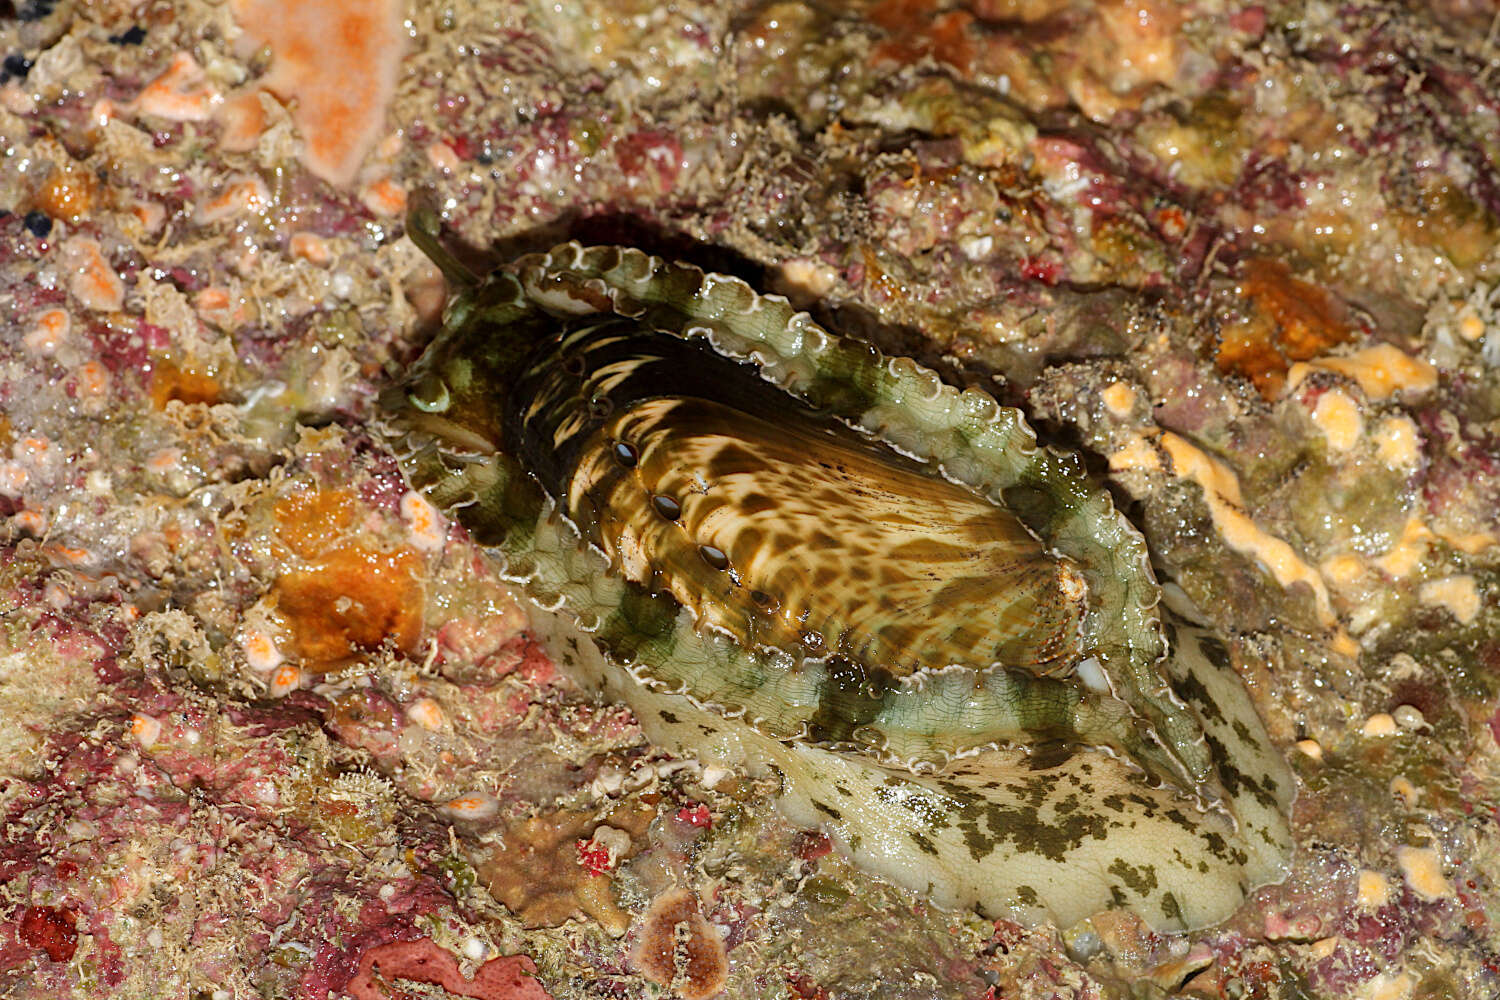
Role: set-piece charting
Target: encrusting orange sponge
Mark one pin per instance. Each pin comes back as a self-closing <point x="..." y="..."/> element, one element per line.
<point x="337" y="61"/>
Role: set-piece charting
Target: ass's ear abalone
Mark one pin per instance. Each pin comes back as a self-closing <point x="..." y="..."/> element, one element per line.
<point x="786" y="550"/>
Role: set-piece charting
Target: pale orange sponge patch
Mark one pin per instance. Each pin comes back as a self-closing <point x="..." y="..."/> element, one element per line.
<point x="337" y="59"/>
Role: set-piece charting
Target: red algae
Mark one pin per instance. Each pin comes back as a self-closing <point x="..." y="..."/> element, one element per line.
<point x="337" y="59"/>
<point x="51" y="929"/>
<point x="509" y="977"/>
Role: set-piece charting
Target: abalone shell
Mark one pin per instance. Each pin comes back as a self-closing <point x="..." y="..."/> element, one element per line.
<point x="787" y="551"/>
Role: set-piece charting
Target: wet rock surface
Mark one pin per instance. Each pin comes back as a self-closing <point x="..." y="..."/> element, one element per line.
<point x="270" y="721"/>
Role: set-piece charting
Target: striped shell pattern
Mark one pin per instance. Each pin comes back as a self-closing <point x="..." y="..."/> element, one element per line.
<point x="791" y="554"/>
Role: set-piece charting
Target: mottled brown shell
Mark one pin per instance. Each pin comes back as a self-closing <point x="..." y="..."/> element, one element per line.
<point x="736" y="515"/>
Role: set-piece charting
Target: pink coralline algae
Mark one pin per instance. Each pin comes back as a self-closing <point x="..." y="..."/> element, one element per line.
<point x="506" y="978"/>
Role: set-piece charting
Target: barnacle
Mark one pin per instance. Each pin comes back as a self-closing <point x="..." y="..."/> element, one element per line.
<point x="787" y="551"/>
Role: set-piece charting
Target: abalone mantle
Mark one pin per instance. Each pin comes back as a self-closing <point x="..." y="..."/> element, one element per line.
<point x="786" y="551"/>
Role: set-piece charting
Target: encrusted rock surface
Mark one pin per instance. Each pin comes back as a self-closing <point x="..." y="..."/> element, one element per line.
<point x="265" y="714"/>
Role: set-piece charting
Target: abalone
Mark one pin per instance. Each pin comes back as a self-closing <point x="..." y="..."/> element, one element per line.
<point x="790" y="553"/>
